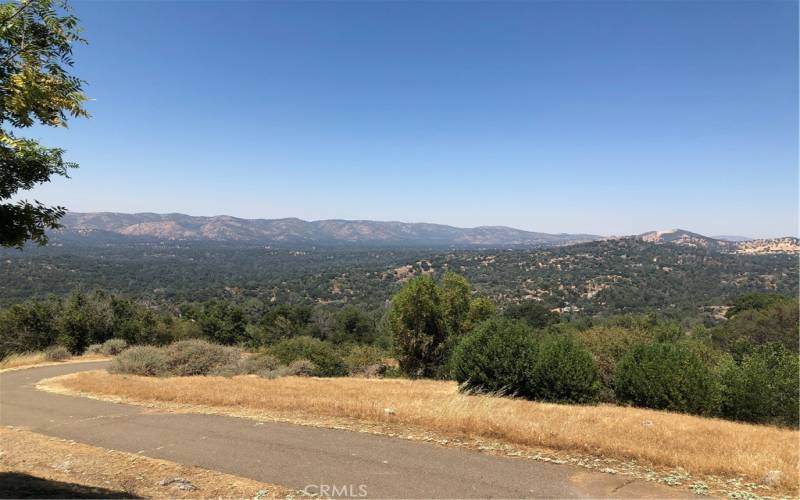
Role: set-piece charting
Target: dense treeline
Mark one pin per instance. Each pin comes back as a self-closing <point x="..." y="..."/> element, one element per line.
<point x="81" y="319"/>
<point x="745" y="367"/>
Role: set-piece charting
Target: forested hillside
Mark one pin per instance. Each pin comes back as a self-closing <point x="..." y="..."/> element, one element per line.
<point x="593" y="278"/>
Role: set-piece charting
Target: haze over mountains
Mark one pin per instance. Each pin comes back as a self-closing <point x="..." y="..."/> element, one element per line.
<point x="180" y="227"/>
<point x="292" y="230"/>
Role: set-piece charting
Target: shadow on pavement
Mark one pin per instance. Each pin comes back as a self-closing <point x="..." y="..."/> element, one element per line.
<point x="19" y="485"/>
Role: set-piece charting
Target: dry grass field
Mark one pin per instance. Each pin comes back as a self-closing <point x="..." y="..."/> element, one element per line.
<point x="702" y="446"/>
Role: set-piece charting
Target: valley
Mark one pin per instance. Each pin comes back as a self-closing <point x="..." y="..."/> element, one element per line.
<point x="677" y="275"/>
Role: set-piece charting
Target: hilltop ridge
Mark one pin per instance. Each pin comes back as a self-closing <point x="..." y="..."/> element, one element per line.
<point x="293" y="230"/>
<point x="102" y="226"/>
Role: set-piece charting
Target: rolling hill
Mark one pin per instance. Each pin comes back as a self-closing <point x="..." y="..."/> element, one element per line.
<point x="178" y="227"/>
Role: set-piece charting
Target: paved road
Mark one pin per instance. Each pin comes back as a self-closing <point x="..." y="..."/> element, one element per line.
<point x="297" y="456"/>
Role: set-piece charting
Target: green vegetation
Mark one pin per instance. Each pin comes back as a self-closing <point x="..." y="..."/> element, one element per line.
<point x="605" y="278"/>
<point x="428" y="319"/>
<point x="35" y="89"/>
<point x="667" y="376"/>
<point x="198" y="357"/>
<point x="763" y="387"/>
<point x="327" y="362"/>
<point x="771" y="319"/>
<point x="744" y="367"/>
<point x="508" y="356"/>
<point x="57" y="353"/>
<point x="259" y="363"/>
<point x="112" y="347"/>
<point x="142" y="360"/>
<point x="497" y="357"/>
<point x="565" y="371"/>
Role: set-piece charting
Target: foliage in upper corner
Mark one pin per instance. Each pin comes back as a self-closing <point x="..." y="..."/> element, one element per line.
<point x="36" y="38"/>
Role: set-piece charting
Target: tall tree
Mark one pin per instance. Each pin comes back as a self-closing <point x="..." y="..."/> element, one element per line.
<point x="36" y="39"/>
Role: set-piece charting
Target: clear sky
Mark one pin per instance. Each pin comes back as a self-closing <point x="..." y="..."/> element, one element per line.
<point x="608" y="118"/>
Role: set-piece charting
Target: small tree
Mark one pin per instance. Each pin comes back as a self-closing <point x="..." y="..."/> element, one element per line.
<point x="419" y="327"/>
<point x="427" y="321"/>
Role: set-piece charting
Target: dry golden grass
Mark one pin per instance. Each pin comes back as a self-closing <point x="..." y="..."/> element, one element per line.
<point x="25" y="359"/>
<point x="39" y="358"/>
<point x="702" y="446"/>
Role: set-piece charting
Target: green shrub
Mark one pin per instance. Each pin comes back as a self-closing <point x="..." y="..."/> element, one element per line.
<point x="393" y="372"/>
<point x="763" y="388"/>
<point x="198" y="357"/>
<point x="773" y="320"/>
<point x="496" y="357"/>
<point x="93" y="349"/>
<point x="608" y="344"/>
<point x="143" y="360"/>
<point x="57" y="353"/>
<point x="358" y="358"/>
<point x="259" y="363"/>
<point x="301" y="368"/>
<point x="324" y="357"/>
<point x="667" y="376"/>
<point x="564" y="371"/>
<point x="112" y="347"/>
<point x="533" y="313"/>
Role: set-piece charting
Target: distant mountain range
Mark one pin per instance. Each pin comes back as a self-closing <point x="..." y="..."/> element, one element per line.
<point x="105" y="226"/>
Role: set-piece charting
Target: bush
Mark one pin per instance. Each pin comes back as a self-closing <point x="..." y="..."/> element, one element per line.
<point x="608" y="344"/>
<point x="496" y="357"/>
<point x="198" y="357"/>
<point x="327" y="362"/>
<point x="667" y="376"/>
<point x="564" y="371"/>
<point x="141" y="360"/>
<point x="301" y="368"/>
<point x="57" y="353"/>
<point x="112" y="347"/>
<point x="259" y="363"/>
<point x="773" y="322"/>
<point x="503" y="355"/>
<point x="358" y="358"/>
<point x="533" y="313"/>
<point x="763" y="388"/>
<point x="93" y="349"/>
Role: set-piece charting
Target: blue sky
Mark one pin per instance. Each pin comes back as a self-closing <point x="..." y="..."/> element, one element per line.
<point x="601" y="117"/>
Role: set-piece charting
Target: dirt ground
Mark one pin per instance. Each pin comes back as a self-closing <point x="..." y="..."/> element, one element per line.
<point x="38" y="466"/>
